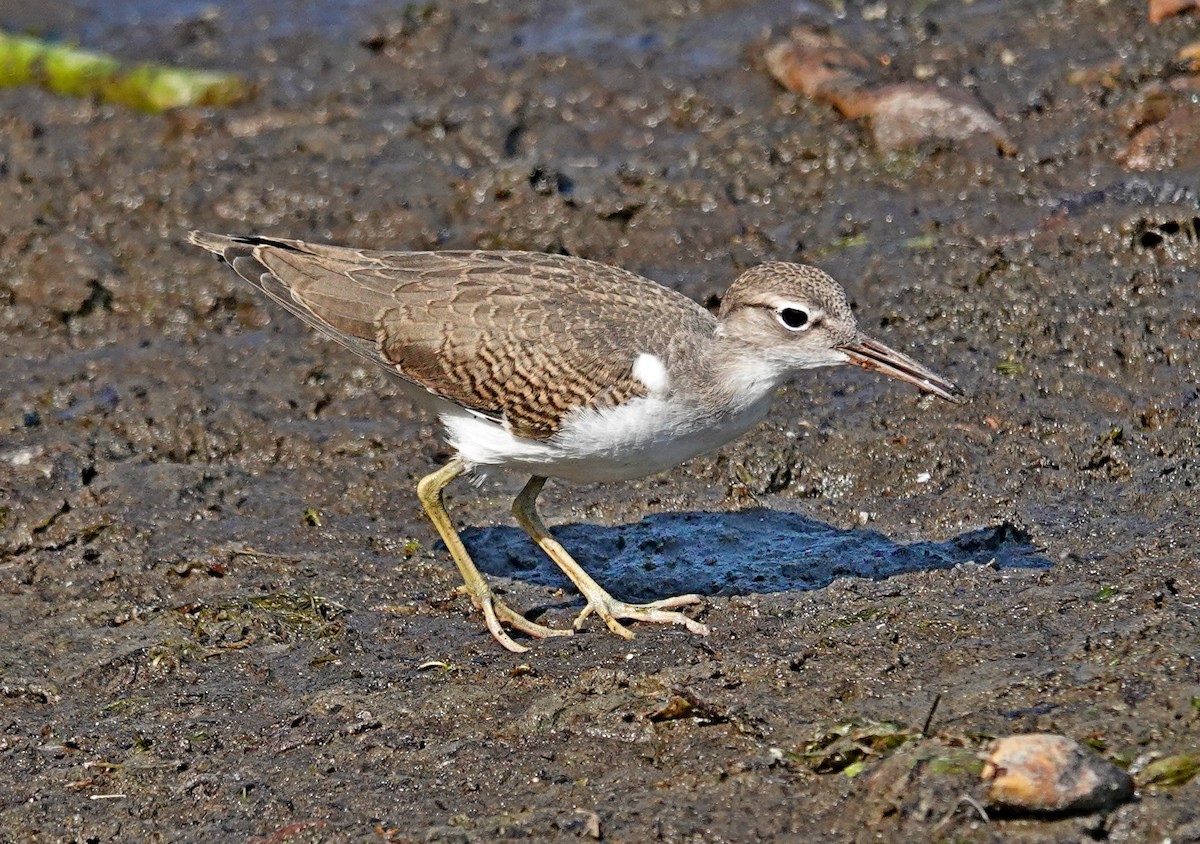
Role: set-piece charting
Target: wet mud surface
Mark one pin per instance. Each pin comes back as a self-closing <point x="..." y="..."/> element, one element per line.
<point x="225" y="618"/>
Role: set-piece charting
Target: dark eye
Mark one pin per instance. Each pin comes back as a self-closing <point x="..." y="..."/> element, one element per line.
<point x="793" y="318"/>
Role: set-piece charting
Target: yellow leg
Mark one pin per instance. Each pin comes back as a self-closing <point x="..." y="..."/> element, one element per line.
<point x="429" y="490"/>
<point x="598" y="600"/>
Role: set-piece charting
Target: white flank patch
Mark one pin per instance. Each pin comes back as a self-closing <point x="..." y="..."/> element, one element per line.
<point x="650" y="370"/>
<point x="637" y="438"/>
<point x="482" y="442"/>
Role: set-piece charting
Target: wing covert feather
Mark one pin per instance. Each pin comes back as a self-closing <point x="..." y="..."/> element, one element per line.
<point x="522" y="337"/>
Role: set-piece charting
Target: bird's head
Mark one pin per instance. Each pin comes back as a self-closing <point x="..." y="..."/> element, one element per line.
<point x="796" y="317"/>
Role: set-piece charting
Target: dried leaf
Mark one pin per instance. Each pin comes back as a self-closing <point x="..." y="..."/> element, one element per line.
<point x="1171" y="771"/>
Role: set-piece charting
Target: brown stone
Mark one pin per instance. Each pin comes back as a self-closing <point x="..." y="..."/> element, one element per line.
<point x="1043" y="772"/>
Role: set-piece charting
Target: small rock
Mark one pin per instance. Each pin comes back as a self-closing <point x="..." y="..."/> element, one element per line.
<point x="1190" y="55"/>
<point x="1042" y="772"/>
<point x="907" y="114"/>
<point x="1173" y="140"/>
<point x="1159" y="10"/>
<point x="901" y="114"/>
<point x="821" y="67"/>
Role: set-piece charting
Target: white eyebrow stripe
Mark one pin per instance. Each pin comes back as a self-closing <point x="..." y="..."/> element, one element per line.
<point x="812" y="310"/>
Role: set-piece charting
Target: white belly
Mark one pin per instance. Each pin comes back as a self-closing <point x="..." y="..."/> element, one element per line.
<point x="638" y="438"/>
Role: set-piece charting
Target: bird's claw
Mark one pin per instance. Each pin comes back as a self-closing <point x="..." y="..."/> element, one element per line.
<point x="497" y="613"/>
<point x="610" y="609"/>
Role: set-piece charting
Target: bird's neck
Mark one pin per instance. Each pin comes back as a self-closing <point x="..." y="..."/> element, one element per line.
<point x="739" y="377"/>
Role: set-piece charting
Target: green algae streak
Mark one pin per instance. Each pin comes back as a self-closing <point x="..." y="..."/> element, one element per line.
<point x="67" y="70"/>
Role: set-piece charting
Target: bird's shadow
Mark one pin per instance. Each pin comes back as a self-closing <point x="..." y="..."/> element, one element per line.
<point x="751" y="551"/>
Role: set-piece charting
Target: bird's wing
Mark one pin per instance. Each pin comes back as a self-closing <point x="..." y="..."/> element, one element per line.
<point x="515" y="336"/>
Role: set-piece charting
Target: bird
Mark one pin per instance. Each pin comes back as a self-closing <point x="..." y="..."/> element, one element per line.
<point x="555" y="366"/>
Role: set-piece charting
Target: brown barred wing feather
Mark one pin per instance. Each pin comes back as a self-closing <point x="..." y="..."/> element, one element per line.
<point x="522" y="337"/>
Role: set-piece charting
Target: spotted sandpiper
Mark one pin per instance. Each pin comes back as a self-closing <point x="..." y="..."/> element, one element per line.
<point x="559" y="367"/>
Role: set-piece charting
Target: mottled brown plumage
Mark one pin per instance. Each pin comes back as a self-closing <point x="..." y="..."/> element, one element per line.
<point x="560" y="367"/>
<point x="500" y="333"/>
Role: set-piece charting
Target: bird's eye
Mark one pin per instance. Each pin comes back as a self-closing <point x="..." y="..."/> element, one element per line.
<point x="793" y="319"/>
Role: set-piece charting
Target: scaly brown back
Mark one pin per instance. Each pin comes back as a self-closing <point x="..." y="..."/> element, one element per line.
<point x="515" y="336"/>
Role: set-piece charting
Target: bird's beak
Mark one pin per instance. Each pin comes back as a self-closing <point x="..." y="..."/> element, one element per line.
<point x="873" y="355"/>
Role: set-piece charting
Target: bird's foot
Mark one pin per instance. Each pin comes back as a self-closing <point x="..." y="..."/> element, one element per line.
<point x="658" y="612"/>
<point x="497" y="613"/>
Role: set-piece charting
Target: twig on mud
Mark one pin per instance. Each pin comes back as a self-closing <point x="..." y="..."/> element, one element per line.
<point x="937" y="699"/>
<point x="963" y="798"/>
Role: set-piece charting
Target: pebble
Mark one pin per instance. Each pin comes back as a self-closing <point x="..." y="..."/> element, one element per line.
<point x="1043" y="772"/>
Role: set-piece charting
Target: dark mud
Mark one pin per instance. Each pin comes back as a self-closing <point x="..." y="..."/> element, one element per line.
<point x="191" y="653"/>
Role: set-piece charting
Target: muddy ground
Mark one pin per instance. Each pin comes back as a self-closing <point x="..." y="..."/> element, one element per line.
<point x="225" y="618"/>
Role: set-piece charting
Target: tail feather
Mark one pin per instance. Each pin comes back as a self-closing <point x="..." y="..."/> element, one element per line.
<point x="245" y="255"/>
